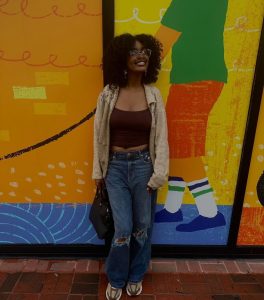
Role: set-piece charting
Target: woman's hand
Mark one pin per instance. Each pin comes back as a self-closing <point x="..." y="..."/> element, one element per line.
<point x="149" y="189"/>
<point x="99" y="183"/>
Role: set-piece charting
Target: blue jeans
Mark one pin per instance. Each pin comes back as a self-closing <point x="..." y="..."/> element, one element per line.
<point x="133" y="213"/>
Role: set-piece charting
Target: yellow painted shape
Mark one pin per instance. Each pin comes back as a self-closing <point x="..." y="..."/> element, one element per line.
<point x="50" y="109"/>
<point x="257" y="162"/>
<point x="21" y="92"/>
<point x="50" y="78"/>
<point x="4" y="135"/>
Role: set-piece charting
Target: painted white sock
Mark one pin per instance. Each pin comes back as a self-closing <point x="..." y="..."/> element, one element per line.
<point x="176" y="187"/>
<point x="203" y="194"/>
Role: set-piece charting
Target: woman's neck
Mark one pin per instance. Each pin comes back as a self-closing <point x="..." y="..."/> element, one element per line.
<point x="134" y="80"/>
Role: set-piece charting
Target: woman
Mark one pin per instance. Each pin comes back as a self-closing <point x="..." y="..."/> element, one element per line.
<point x="130" y="155"/>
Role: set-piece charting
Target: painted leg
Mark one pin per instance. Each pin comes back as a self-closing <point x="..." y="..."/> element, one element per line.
<point x="209" y="216"/>
<point x="171" y="211"/>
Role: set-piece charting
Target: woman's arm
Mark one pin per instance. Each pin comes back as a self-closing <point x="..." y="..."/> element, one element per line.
<point x="167" y="37"/>
<point x="97" y="171"/>
<point x="161" y="164"/>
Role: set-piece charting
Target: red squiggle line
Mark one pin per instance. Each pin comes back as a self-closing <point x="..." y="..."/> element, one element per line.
<point x="26" y="55"/>
<point x="56" y="13"/>
<point x="81" y="7"/>
<point x="6" y="13"/>
<point x="23" y="7"/>
<point x="3" y="4"/>
<point x="81" y="10"/>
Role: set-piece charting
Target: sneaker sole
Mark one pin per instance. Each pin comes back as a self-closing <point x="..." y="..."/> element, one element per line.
<point x="108" y="298"/>
<point x="132" y="295"/>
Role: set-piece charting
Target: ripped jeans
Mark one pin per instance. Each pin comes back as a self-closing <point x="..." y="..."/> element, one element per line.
<point x="133" y="211"/>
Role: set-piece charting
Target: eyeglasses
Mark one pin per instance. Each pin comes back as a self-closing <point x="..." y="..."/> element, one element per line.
<point x="136" y="52"/>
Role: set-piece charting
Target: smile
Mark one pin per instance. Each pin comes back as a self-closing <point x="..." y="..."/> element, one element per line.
<point x="141" y="63"/>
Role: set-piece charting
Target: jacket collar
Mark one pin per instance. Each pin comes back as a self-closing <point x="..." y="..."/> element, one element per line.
<point x="150" y="96"/>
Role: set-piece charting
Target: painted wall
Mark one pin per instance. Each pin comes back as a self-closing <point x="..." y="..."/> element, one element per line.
<point x="252" y="221"/>
<point x="199" y="23"/>
<point x="50" y="77"/>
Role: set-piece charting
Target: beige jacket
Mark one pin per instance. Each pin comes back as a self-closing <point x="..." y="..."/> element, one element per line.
<point x="158" y="142"/>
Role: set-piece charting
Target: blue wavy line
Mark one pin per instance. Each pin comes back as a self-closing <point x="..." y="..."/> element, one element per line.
<point x="50" y="213"/>
<point x="77" y="228"/>
<point x="92" y="238"/>
<point x="53" y="216"/>
<point x="34" y="209"/>
<point x="62" y="209"/>
<point x="14" y="235"/>
<point x="25" y="206"/>
<point x="33" y="216"/>
<point x="17" y="226"/>
<point x="45" y="211"/>
<point x="22" y="209"/>
<point x="7" y="242"/>
<point x="79" y="225"/>
<point x="18" y="236"/>
<point x="40" y="211"/>
<point x="25" y="222"/>
<point x="88" y="230"/>
<point x="59" y="219"/>
<point x="81" y="236"/>
<point x="15" y="216"/>
<point x="29" y="206"/>
<point x="66" y="225"/>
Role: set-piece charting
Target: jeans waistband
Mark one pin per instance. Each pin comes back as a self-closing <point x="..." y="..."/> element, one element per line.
<point x="131" y="155"/>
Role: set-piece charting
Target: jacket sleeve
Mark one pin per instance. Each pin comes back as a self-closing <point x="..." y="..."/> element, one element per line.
<point x="161" y="164"/>
<point x="97" y="170"/>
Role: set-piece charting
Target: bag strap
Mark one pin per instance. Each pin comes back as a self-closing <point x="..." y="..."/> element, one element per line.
<point x="102" y="195"/>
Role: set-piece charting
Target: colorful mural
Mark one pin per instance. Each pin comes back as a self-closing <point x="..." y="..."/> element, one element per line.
<point x="252" y="220"/>
<point x="50" y="78"/>
<point x="210" y="52"/>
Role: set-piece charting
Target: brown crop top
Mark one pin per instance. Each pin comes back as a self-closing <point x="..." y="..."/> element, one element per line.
<point x="129" y="128"/>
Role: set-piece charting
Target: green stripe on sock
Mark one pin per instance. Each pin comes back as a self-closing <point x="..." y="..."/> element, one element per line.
<point x="176" y="188"/>
<point x="202" y="192"/>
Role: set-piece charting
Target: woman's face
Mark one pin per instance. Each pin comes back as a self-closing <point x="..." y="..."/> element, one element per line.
<point x="138" y="58"/>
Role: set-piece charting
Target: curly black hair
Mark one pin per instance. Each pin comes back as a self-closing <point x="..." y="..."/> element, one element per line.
<point x="115" y="58"/>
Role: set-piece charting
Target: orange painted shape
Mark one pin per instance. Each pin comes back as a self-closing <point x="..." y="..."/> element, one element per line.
<point x="189" y="169"/>
<point x="188" y="107"/>
<point x="251" y="227"/>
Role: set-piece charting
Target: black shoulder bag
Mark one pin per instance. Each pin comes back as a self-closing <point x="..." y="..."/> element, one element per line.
<point x="101" y="215"/>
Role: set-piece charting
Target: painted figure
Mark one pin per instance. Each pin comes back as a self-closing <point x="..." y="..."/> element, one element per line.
<point x="194" y="31"/>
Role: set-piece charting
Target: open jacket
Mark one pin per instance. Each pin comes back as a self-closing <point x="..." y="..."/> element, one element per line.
<point x="158" y="140"/>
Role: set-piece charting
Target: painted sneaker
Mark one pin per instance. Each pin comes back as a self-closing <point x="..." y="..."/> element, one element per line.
<point x="165" y="216"/>
<point x="202" y="223"/>
<point x="134" y="288"/>
<point x="112" y="293"/>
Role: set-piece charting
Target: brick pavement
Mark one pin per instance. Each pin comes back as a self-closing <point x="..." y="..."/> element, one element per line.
<point x="167" y="279"/>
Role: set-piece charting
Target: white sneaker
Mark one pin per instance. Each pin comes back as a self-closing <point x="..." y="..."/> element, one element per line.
<point x="134" y="288"/>
<point x="112" y="293"/>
